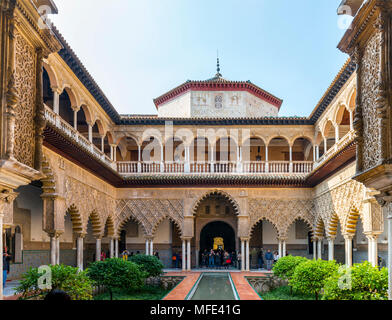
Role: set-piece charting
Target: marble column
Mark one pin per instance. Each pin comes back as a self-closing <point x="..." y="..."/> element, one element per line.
<point x="56" y="101"/>
<point x="331" y="247"/>
<point x="151" y="247"/>
<point x="188" y="262"/>
<point x="98" y="249"/>
<point x="242" y="255"/>
<point x="348" y="247"/>
<point x="58" y="250"/>
<point x="315" y="249"/>
<point x="319" y="249"/>
<point x="52" y="250"/>
<point x="147" y="247"/>
<point x="75" y="116"/>
<point x="90" y="132"/>
<point x="183" y="255"/>
<point x="280" y="247"/>
<point x="284" y="248"/>
<point x="247" y="255"/>
<point x="79" y="248"/>
<point x="111" y="248"/>
<point x="116" y="248"/>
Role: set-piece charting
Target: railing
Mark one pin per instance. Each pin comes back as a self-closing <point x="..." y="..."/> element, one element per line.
<point x="76" y="136"/>
<point x="256" y="167"/>
<point x="344" y="141"/>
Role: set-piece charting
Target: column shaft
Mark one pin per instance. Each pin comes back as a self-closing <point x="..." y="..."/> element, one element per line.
<point x="183" y="255"/>
<point x="314" y="249"/>
<point x="52" y="250"/>
<point x="151" y="248"/>
<point x="349" y="251"/>
<point x="80" y="253"/>
<point x="111" y="248"/>
<point x="331" y="248"/>
<point x="242" y="255"/>
<point x="284" y="248"/>
<point x="98" y="250"/>
<point x="116" y="248"/>
<point x="247" y="256"/>
<point x="147" y="248"/>
<point x="319" y="247"/>
<point x="58" y="250"/>
<point x="188" y="262"/>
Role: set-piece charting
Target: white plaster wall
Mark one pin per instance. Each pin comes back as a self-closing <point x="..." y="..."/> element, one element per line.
<point x="269" y="233"/>
<point x="162" y="235"/>
<point x="180" y="107"/>
<point x="201" y="104"/>
<point x="291" y="239"/>
<point x="29" y="198"/>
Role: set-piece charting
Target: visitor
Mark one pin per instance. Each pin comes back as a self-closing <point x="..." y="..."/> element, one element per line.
<point x="211" y="259"/>
<point x="269" y="258"/>
<point x="217" y="260"/>
<point x="156" y="254"/>
<point x="125" y="255"/>
<point x="103" y="255"/>
<point x="276" y="256"/>
<point x="234" y="260"/>
<point x="174" y="260"/>
<point x="6" y="265"/>
<point x="227" y="260"/>
<point x="260" y="259"/>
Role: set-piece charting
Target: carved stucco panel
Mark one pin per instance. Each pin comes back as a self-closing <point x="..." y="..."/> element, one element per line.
<point x="25" y="109"/>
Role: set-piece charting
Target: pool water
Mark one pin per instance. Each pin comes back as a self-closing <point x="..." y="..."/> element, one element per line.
<point x="214" y="286"/>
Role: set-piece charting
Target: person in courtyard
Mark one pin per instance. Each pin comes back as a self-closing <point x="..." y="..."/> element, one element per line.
<point x="156" y="254"/>
<point x="211" y="259"/>
<point x="260" y="260"/>
<point x="174" y="260"/>
<point x="6" y="265"/>
<point x="217" y="260"/>
<point x="103" y="255"/>
<point x="276" y="256"/>
<point x="269" y="258"/>
<point x="125" y="255"/>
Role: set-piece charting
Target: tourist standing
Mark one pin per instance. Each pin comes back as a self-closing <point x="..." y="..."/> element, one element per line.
<point x="269" y="258"/>
<point x="125" y="255"/>
<point x="211" y="259"/>
<point x="6" y="265"/>
<point x="103" y="255"/>
<point x="276" y="256"/>
<point x="174" y="260"/>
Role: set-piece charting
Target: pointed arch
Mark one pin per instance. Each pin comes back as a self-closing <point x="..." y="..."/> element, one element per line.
<point x="294" y="220"/>
<point x="262" y="218"/>
<point x="53" y="79"/>
<point x="72" y="96"/>
<point x="96" y="224"/>
<point x="109" y="223"/>
<point x="177" y="223"/>
<point x="76" y="218"/>
<point x="225" y="195"/>
<point x="126" y="220"/>
<point x="319" y="229"/>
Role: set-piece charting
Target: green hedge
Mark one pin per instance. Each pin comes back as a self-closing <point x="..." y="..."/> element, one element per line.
<point x="150" y="264"/>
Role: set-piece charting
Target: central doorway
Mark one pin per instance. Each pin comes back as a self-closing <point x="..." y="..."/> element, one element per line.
<point x="219" y="233"/>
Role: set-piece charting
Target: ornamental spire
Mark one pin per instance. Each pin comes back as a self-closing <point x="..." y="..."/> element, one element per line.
<point x="218" y="74"/>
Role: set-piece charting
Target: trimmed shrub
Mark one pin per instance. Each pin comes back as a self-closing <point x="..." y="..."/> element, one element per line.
<point x="66" y="278"/>
<point x="360" y="282"/>
<point x="285" y="266"/>
<point x="310" y="276"/>
<point x="117" y="273"/>
<point x="151" y="264"/>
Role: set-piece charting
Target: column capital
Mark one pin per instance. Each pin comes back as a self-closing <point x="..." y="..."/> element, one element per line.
<point x="244" y="238"/>
<point x="348" y="236"/>
<point x="372" y="235"/>
<point x="57" y="90"/>
<point x="81" y="235"/>
<point x="186" y="238"/>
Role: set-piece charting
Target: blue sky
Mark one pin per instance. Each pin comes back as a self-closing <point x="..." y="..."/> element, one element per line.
<point x="138" y="50"/>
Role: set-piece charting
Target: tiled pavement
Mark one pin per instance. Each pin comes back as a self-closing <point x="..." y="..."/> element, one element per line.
<point x="9" y="290"/>
<point x="180" y="292"/>
<point x="244" y="289"/>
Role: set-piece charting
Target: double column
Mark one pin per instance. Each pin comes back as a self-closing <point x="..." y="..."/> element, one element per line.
<point x="282" y="247"/>
<point x="113" y="248"/>
<point x="186" y="254"/>
<point x="317" y="248"/>
<point x="79" y="250"/>
<point x="245" y="254"/>
<point x="149" y="246"/>
<point x="372" y="248"/>
<point x="55" y="248"/>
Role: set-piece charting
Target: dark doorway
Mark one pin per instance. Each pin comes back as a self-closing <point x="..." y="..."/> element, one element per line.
<point x="123" y="241"/>
<point x="217" y="229"/>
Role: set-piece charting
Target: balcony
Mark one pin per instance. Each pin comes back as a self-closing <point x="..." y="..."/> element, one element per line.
<point x="225" y="167"/>
<point x="60" y="124"/>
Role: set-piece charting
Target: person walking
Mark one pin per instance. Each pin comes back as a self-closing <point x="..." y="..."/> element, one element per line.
<point x="269" y="258"/>
<point x="103" y="255"/>
<point x="6" y="265"/>
<point x="211" y="259"/>
<point x="125" y="255"/>
<point x="276" y="256"/>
